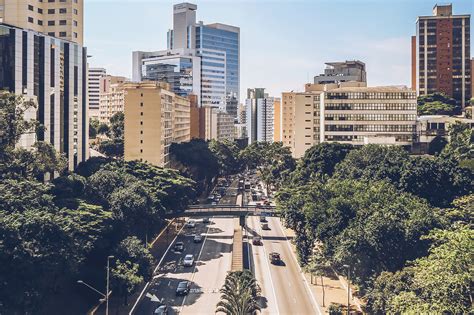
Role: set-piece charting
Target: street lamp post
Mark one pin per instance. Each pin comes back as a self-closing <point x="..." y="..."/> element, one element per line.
<point x="348" y="287"/>
<point x="108" y="292"/>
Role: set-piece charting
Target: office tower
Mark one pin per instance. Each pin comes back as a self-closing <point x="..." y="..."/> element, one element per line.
<point x="93" y="83"/>
<point x="155" y="117"/>
<point x="443" y="51"/>
<point x="242" y="114"/>
<point x="260" y="115"/>
<point x="336" y="72"/>
<point x="181" y="68"/>
<point x="347" y="112"/>
<point x="52" y="72"/>
<point x="111" y="97"/>
<point x="214" y="50"/>
<point x="57" y="18"/>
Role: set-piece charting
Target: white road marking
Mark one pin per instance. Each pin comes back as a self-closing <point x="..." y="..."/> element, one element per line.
<point x="195" y="265"/>
<point x="301" y="272"/>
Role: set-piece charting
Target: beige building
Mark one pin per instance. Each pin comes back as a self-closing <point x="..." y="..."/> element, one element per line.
<point x="57" y="18"/>
<point x="154" y="118"/>
<point x="348" y="112"/>
<point x="111" y="97"/>
<point x="218" y="125"/>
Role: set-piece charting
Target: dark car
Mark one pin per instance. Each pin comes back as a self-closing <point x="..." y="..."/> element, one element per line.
<point x="274" y="258"/>
<point x="257" y="240"/>
<point x="263" y="219"/>
<point x="179" y="247"/>
<point x="183" y="288"/>
<point x="206" y="220"/>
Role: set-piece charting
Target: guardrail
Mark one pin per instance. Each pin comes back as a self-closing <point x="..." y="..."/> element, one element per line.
<point x="230" y="209"/>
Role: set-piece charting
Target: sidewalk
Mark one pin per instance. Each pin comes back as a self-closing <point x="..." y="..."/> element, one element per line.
<point x="335" y="286"/>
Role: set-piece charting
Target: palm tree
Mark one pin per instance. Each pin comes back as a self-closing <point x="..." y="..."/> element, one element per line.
<point x="239" y="294"/>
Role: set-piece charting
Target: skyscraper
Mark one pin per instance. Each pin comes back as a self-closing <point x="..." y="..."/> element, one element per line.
<point x="260" y="115"/>
<point x="63" y="19"/>
<point x="93" y="84"/>
<point x="52" y="72"/>
<point x="214" y="50"/>
<point x="443" y="51"/>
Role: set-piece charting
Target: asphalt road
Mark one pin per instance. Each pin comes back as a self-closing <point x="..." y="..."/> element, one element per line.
<point x="212" y="261"/>
<point x="284" y="290"/>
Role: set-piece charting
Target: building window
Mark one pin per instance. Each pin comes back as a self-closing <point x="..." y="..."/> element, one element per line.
<point x="40" y="22"/>
<point x="50" y="0"/>
<point x="141" y="104"/>
<point x="75" y="23"/>
<point x="62" y="34"/>
<point x="62" y="22"/>
<point x="141" y="123"/>
<point x="75" y="35"/>
<point x="30" y="7"/>
<point x="62" y="10"/>
<point x="40" y="11"/>
<point x="141" y="113"/>
<point x="51" y="34"/>
<point x="75" y="11"/>
<point x="141" y="141"/>
<point x="141" y="150"/>
<point x="51" y="11"/>
<point x="51" y="23"/>
<point x="30" y="19"/>
<point x="141" y="132"/>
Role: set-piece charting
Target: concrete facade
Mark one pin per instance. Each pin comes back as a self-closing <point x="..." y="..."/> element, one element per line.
<point x="336" y="72"/>
<point x="154" y="118"/>
<point x="93" y="84"/>
<point x="111" y="97"/>
<point x="62" y="19"/>
<point x="260" y="115"/>
<point x="347" y="114"/>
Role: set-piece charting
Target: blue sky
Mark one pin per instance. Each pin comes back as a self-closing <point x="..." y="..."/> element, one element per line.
<point x="284" y="43"/>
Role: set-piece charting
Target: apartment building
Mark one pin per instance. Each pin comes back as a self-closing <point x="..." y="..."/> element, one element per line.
<point x="260" y="115"/>
<point x="348" y="112"/>
<point x="217" y="124"/>
<point x="155" y="117"/>
<point x="53" y="73"/>
<point x="56" y="18"/>
<point x="111" y="97"/>
<point x="442" y="54"/>
<point x="93" y="84"/>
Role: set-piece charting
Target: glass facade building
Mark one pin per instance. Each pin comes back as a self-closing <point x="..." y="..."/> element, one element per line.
<point x="52" y="73"/>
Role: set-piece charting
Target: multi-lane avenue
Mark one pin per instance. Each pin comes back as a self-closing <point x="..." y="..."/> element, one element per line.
<point x="284" y="290"/>
<point x="212" y="261"/>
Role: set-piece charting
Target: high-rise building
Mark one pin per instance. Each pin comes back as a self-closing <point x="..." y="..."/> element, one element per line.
<point x="443" y="54"/>
<point x="206" y="55"/>
<point x="111" y="97"/>
<point x="218" y="125"/>
<point x="63" y="19"/>
<point x="347" y="112"/>
<point x="155" y="117"/>
<point x="260" y="115"/>
<point x="93" y="83"/>
<point x="336" y="72"/>
<point x="53" y="73"/>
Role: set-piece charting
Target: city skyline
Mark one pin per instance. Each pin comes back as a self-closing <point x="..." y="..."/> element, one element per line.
<point x="264" y="45"/>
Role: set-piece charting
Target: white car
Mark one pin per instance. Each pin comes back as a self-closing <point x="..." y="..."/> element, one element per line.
<point x="197" y="238"/>
<point x="191" y="224"/>
<point x="188" y="260"/>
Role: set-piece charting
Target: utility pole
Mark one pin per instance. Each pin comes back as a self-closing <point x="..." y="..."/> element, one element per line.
<point x="107" y="291"/>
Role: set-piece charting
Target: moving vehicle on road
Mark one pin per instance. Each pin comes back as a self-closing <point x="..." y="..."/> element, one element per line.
<point x="265" y="226"/>
<point x="263" y="218"/>
<point x="206" y="220"/>
<point x="183" y="288"/>
<point x="191" y="224"/>
<point x="178" y="246"/>
<point x="162" y="310"/>
<point x="274" y="258"/>
<point x="188" y="260"/>
<point x="197" y="238"/>
<point x="257" y="240"/>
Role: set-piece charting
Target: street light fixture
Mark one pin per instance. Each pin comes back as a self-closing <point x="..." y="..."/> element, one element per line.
<point x="91" y="287"/>
<point x="348" y="287"/>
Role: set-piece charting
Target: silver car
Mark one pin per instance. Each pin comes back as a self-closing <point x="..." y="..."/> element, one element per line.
<point x="188" y="260"/>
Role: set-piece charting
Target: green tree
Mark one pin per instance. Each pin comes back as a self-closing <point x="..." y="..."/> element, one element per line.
<point x="239" y="294"/>
<point x="125" y="279"/>
<point x="132" y="249"/>
<point x="442" y="281"/>
<point x="93" y="128"/>
<point x="103" y="129"/>
<point x="226" y="153"/>
<point x="114" y="147"/>
<point x="461" y="142"/>
<point x="436" y="104"/>
<point x="437" y="145"/>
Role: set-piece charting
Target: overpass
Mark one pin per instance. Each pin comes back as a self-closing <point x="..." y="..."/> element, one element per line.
<point x="209" y="210"/>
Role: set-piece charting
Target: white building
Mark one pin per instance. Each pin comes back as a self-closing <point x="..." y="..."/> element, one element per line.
<point x="93" y="85"/>
<point x="259" y="115"/>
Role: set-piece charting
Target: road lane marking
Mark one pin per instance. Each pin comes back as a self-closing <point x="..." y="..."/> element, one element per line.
<point x="301" y="271"/>
<point x="195" y="265"/>
<point x="269" y="271"/>
<point x="154" y="271"/>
